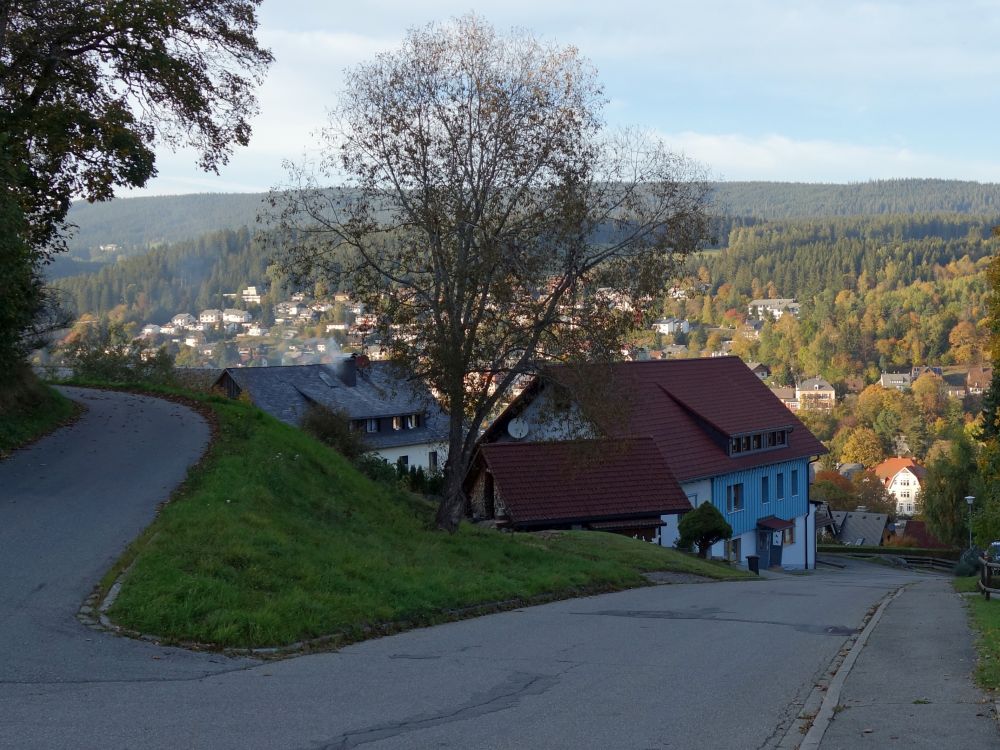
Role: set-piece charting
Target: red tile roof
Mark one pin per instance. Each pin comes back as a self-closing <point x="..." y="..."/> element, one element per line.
<point x="892" y="466"/>
<point x="918" y="531"/>
<point x="691" y="406"/>
<point x="586" y="480"/>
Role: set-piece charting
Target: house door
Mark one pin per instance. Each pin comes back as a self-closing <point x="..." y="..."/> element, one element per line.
<point x="764" y="548"/>
<point x="775" y="548"/>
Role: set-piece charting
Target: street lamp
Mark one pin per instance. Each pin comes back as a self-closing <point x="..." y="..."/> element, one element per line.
<point x="970" y="499"/>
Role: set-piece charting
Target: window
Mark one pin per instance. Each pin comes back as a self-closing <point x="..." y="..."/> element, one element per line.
<point x="788" y="536"/>
<point x="397" y="423"/>
<point x="757" y="441"/>
<point x="779" y="489"/>
<point x="795" y="482"/>
<point x="909" y="507"/>
<point x="765" y="491"/>
<point x="733" y="551"/>
<point x="734" y="498"/>
<point x="409" y="421"/>
<point x="403" y="462"/>
<point x="432" y="460"/>
<point x="372" y="425"/>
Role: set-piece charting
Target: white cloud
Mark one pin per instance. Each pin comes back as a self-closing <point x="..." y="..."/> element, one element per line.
<point x="733" y="156"/>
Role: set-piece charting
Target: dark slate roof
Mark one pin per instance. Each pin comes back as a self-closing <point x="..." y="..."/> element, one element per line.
<point x="585" y="480"/>
<point x="855" y="525"/>
<point x="381" y="390"/>
<point x="691" y="406"/>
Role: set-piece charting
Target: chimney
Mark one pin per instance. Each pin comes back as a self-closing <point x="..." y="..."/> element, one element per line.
<point x="347" y="370"/>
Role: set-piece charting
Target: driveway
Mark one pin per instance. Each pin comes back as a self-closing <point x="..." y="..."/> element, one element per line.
<point x="714" y="665"/>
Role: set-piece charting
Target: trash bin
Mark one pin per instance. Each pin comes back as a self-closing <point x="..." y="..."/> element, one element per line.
<point x="753" y="564"/>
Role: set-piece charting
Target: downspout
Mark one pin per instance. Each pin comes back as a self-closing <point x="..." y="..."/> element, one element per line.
<point x="812" y="512"/>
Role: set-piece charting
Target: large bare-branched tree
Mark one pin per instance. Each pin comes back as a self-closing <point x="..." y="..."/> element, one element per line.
<point x="487" y="217"/>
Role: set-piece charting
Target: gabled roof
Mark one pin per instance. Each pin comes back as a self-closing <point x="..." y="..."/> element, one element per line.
<point x="892" y="466"/>
<point x="853" y="526"/>
<point x="814" y="384"/>
<point x="381" y="390"/>
<point x="584" y="480"/>
<point x="690" y="407"/>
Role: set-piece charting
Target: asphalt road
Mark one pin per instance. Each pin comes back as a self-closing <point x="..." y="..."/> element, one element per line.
<point x="715" y="665"/>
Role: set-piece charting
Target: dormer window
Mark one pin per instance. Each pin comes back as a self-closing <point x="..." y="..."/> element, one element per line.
<point x="757" y="441"/>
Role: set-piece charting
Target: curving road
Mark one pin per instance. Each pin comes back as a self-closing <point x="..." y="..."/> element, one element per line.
<point x="720" y="665"/>
<point x="69" y="505"/>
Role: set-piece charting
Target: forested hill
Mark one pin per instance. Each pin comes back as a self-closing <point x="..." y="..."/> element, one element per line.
<point x="143" y="222"/>
<point x="788" y="200"/>
<point x="135" y="224"/>
<point x="805" y="257"/>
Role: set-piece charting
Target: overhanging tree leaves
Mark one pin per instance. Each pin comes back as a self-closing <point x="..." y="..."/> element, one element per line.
<point x="487" y="217"/>
<point x="87" y="88"/>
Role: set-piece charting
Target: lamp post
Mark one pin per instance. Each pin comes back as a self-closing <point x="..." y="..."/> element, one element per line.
<point x="970" y="499"/>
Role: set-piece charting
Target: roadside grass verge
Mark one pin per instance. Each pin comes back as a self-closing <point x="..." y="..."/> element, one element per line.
<point x="966" y="584"/>
<point x="986" y="620"/>
<point x="274" y="538"/>
<point x="985" y="616"/>
<point x="30" y="409"/>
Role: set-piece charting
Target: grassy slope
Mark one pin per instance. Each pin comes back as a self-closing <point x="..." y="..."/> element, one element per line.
<point x="986" y="621"/>
<point x="274" y="538"/>
<point x="28" y="410"/>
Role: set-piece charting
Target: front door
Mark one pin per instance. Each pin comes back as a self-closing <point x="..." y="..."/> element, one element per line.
<point x="776" y="548"/>
<point x="764" y="548"/>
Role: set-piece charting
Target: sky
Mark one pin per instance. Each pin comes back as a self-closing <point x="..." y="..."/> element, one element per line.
<point x="788" y="90"/>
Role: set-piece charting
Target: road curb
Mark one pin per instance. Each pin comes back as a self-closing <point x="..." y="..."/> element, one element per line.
<point x="831" y="697"/>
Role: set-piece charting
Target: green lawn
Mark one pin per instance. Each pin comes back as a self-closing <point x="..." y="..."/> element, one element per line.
<point x="275" y="538"/>
<point x="28" y="410"/>
<point x="985" y="617"/>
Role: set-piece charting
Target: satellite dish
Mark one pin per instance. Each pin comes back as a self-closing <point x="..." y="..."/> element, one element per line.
<point x="517" y="428"/>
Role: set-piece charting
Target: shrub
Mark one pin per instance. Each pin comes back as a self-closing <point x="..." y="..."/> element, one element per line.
<point x="703" y="526"/>
<point x="334" y="429"/>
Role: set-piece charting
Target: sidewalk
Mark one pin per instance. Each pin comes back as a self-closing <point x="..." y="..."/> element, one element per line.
<point x="912" y="686"/>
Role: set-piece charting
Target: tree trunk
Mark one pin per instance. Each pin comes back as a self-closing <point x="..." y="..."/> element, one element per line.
<point x="452" y="507"/>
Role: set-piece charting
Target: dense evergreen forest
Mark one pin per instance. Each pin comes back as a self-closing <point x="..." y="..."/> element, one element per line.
<point x="136" y="225"/>
<point x="184" y="277"/>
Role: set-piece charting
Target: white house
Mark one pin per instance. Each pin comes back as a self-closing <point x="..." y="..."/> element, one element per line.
<point x="183" y="320"/>
<point x="396" y="416"/>
<point x="151" y="329"/>
<point x="670" y="326"/>
<point x="210" y="317"/>
<point x="903" y="478"/>
<point x="775" y="308"/>
<point x="251" y="296"/>
<point x="231" y="315"/>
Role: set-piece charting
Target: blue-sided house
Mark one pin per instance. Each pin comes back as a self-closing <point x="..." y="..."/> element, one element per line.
<point x="723" y="436"/>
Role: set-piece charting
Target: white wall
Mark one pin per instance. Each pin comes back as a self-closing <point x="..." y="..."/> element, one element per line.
<point x="417" y="455"/>
<point x="545" y="422"/>
<point x="698" y="493"/>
